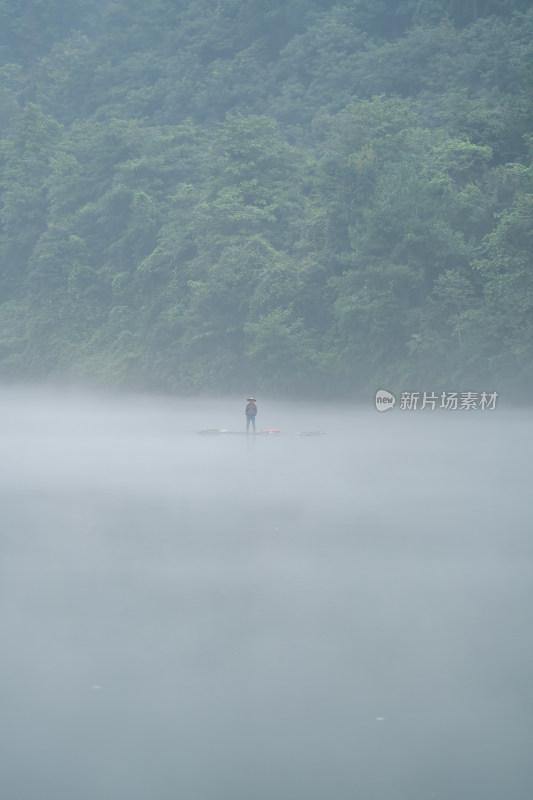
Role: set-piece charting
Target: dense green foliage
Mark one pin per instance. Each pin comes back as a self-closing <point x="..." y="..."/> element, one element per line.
<point x="278" y="195"/>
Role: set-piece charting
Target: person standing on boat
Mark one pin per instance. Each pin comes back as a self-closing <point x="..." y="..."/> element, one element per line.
<point x="250" y="411"/>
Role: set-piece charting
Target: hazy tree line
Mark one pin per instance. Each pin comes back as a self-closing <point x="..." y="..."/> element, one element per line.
<point x="284" y="195"/>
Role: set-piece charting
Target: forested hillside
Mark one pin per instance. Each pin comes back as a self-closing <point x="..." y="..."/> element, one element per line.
<point x="279" y="196"/>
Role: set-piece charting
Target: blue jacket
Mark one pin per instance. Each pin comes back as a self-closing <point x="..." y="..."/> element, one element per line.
<point x="251" y="410"/>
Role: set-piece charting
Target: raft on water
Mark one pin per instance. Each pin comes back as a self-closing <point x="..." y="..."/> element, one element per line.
<point x="266" y="432"/>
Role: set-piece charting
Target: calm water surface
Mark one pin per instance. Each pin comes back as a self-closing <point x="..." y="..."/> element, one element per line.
<point x="185" y="617"/>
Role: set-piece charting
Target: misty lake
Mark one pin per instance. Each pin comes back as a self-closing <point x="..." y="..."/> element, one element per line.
<point x="190" y="617"/>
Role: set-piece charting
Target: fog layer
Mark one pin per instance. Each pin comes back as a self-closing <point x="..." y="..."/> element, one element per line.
<point x="263" y="618"/>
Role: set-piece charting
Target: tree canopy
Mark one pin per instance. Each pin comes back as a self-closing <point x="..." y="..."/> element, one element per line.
<point x="295" y="196"/>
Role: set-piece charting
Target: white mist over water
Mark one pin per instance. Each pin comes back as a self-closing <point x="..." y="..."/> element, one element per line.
<point x="263" y="618"/>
